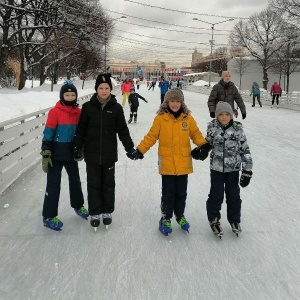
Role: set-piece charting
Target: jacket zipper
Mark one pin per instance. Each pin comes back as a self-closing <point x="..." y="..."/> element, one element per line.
<point x="101" y="129"/>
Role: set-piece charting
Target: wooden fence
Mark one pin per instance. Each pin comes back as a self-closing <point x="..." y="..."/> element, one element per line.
<point x="20" y="144"/>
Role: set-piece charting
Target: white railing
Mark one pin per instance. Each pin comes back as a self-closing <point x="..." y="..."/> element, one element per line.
<point x="20" y="144"/>
<point x="287" y="100"/>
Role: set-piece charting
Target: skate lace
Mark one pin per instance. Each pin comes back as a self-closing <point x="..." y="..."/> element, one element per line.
<point x="82" y="210"/>
<point x="95" y="217"/>
<point x="167" y="223"/>
<point x="182" y="221"/>
<point x="55" y="220"/>
<point x="105" y="216"/>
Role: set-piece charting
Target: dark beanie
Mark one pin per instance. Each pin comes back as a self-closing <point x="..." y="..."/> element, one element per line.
<point x="68" y="86"/>
<point x="103" y="78"/>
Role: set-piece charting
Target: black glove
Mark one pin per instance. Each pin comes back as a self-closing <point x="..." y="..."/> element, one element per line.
<point x="78" y="154"/>
<point x="134" y="154"/>
<point x="201" y="152"/>
<point x="245" y="178"/>
<point x="243" y="116"/>
<point x="213" y="114"/>
<point x="46" y="161"/>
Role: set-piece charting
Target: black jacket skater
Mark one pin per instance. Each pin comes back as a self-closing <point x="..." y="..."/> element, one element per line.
<point x="133" y="99"/>
<point x="97" y="131"/>
<point x="226" y="92"/>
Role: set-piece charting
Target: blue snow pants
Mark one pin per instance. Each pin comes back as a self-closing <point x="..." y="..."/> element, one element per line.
<point x="50" y="208"/>
<point x="174" y="193"/>
<point x="228" y="182"/>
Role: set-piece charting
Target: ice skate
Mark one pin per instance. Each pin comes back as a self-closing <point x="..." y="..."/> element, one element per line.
<point x="184" y="224"/>
<point x="135" y="120"/>
<point x="95" y="221"/>
<point x="277" y="106"/>
<point x="165" y="227"/>
<point x="271" y="106"/>
<point x="236" y="228"/>
<point x="216" y="227"/>
<point x="82" y="212"/>
<point x="53" y="223"/>
<point x="107" y="219"/>
<point x="130" y="120"/>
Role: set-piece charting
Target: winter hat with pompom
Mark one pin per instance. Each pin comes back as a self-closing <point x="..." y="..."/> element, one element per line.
<point x="68" y="86"/>
<point x="103" y="78"/>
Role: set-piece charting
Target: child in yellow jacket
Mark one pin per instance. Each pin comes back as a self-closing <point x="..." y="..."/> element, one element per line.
<point x="173" y="127"/>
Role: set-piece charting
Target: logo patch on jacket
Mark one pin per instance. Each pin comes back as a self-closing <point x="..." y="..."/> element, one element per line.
<point x="184" y="126"/>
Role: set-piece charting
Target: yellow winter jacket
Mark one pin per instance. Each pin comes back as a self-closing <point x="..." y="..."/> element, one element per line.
<point x="174" y="149"/>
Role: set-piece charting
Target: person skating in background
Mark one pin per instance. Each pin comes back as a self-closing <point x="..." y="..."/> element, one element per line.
<point x="275" y="92"/>
<point x="57" y="153"/>
<point x="164" y="87"/>
<point x="230" y="150"/>
<point x="125" y="88"/>
<point x="138" y="83"/>
<point x="226" y="91"/>
<point x="255" y="92"/>
<point x="152" y="85"/>
<point x="173" y="127"/>
<point x="101" y="120"/>
<point x="133" y="101"/>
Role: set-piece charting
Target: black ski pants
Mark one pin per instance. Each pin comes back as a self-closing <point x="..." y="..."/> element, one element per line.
<point x="174" y="193"/>
<point x="51" y="200"/>
<point x="258" y="99"/>
<point x="228" y="182"/>
<point x="162" y="98"/>
<point x="277" y="99"/>
<point x="101" y="188"/>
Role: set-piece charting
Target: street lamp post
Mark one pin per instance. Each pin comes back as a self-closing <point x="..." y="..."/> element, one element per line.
<point x="105" y="41"/>
<point x="212" y="42"/>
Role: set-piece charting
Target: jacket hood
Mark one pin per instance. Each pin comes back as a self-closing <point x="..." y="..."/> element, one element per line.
<point x="255" y="83"/>
<point x="60" y="106"/>
<point x="222" y="82"/>
<point x="164" y="108"/>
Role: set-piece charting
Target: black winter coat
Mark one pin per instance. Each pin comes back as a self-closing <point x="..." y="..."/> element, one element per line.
<point x="97" y="131"/>
<point x="226" y="92"/>
<point x="133" y="99"/>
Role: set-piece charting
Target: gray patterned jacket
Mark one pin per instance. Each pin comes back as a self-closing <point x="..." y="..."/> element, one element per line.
<point x="229" y="147"/>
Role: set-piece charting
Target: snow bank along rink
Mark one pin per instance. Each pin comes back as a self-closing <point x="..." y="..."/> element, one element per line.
<point x="132" y="259"/>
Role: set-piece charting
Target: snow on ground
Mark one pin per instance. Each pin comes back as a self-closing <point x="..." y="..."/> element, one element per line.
<point x="132" y="259"/>
<point x="16" y="103"/>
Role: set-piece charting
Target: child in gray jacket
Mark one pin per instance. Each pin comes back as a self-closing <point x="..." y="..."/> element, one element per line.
<point x="230" y="150"/>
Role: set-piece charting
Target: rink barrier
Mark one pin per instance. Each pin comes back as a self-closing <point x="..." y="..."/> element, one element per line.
<point x="287" y="100"/>
<point x="20" y="144"/>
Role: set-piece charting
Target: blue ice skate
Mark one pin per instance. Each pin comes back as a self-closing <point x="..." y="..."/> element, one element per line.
<point x="53" y="223"/>
<point x="82" y="212"/>
<point x="165" y="227"/>
<point x="184" y="224"/>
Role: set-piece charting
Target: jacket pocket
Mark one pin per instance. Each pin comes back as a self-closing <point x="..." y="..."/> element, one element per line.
<point x="186" y="152"/>
<point x="164" y="151"/>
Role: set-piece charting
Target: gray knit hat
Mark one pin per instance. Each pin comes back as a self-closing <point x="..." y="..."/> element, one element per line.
<point x="224" y="107"/>
<point x="174" y="94"/>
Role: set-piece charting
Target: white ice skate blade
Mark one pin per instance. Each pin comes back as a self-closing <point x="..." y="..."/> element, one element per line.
<point x="106" y="226"/>
<point x="95" y="228"/>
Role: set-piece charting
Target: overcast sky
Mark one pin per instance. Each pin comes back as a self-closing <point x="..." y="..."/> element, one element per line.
<point x="144" y="36"/>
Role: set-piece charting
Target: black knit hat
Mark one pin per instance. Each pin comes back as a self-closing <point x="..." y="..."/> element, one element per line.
<point x="68" y="86"/>
<point x="103" y="78"/>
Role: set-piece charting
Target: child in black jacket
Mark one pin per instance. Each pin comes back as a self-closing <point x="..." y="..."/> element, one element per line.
<point x="133" y="101"/>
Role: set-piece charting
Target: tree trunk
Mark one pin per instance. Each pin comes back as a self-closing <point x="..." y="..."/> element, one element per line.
<point x="287" y="81"/>
<point x="265" y="79"/>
